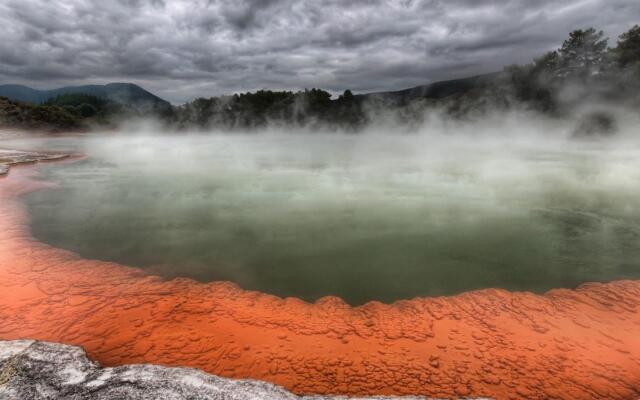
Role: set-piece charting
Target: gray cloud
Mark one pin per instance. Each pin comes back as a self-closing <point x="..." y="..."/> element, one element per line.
<point x="181" y="49"/>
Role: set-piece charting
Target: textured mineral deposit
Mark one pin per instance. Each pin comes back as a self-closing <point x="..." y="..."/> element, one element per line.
<point x="565" y="344"/>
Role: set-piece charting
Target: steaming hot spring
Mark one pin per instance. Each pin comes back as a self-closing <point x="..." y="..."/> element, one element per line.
<point x="444" y="263"/>
<point x="360" y="217"/>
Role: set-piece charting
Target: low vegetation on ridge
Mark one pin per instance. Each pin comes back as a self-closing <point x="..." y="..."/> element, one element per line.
<point x="15" y="114"/>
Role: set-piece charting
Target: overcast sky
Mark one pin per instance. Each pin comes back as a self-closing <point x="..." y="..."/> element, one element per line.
<point x="181" y="49"/>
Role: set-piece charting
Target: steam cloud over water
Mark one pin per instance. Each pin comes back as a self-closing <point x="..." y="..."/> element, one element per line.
<point x="510" y="203"/>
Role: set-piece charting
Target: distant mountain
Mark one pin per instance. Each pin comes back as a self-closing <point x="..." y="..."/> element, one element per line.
<point x="126" y="94"/>
<point x="437" y="90"/>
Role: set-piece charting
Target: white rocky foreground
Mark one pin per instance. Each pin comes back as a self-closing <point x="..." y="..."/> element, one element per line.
<point x="34" y="370"/>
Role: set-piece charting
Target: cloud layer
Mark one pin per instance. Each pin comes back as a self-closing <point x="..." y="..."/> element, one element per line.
<point x="181" y="49"/>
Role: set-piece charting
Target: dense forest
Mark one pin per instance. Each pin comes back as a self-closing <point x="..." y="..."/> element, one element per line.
<point x="583" y="72"/>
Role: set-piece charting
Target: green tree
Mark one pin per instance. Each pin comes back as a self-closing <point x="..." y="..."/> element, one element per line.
<point x="347" y="95"/>
<point x="87" y="110"/>
<point x="628" y="50"/>
<point x="318" y="101"/>
<point x="549" y="62"/>
<point x="70" y="109"/>
<point x="584" y="52"/>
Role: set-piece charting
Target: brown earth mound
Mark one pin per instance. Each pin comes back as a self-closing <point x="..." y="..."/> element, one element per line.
<point x="566" y="344"/>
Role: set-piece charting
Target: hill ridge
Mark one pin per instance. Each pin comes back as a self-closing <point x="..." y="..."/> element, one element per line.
<point x="124" y="93"/>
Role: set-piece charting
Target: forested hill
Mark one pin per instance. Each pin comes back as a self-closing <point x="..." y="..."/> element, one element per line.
<point x="81" y="111"/>
<point x="79" y="107"/>
<point x="125" y="94"/>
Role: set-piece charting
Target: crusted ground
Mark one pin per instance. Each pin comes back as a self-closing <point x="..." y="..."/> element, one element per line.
<point x="48" y="371"/>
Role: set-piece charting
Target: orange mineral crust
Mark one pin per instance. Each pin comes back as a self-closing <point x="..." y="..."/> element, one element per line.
<point x="566" y="344"/>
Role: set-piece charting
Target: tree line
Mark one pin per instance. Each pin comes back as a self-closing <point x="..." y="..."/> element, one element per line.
<point x="584" y="62"/>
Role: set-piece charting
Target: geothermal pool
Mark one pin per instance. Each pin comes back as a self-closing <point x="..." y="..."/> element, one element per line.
<point x="363" y="217"/>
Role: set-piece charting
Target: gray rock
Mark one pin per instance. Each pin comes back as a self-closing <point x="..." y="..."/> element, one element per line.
<point x="34" y="370"/>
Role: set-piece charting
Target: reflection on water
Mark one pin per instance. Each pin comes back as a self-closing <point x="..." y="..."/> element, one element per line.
<point x="361" y="217"/>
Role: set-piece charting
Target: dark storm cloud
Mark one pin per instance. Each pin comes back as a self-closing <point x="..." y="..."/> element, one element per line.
<point x="186" y="48"/>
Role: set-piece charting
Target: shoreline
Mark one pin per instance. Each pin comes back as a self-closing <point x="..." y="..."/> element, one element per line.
<point x="578" y="343"/>
<point x="11" y="158"/>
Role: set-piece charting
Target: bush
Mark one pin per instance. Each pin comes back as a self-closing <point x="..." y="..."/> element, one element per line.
<point x="597" y="123"/>
<point x="87" y="110"/>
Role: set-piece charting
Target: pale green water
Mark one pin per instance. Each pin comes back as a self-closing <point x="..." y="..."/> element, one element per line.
<point x="361" y="217"/>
